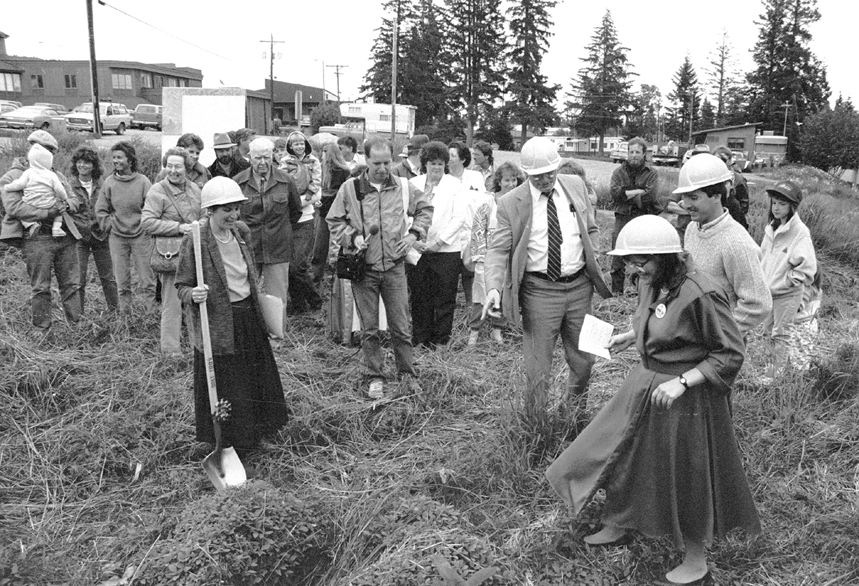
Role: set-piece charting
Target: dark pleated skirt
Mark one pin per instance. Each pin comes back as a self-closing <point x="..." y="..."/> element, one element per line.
<point x="666" y="472"/>
<point x="248" y="379"/>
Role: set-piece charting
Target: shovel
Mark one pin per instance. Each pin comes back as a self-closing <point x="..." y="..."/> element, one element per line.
<point x="223" y="465"/>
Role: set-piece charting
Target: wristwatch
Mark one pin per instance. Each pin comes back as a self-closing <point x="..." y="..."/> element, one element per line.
<point x="684" y="382"/>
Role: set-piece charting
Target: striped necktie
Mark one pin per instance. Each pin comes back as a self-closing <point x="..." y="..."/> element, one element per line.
<point x="553" y="266"/>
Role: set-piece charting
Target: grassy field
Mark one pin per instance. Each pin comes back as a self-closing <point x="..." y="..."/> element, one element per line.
<point x="100" y="475"/>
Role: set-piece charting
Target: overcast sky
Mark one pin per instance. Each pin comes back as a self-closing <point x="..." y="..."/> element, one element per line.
<point x="228" y="48"/>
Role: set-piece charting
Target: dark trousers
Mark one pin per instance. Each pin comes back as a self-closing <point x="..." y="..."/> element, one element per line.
<point x="618" y="267"/>
<point x="467" y="282"/>
<point x="321" y="246"/>
<point x="432" y="283"/>
<point x="301" y="287"/>
<point x="100" y="250"/>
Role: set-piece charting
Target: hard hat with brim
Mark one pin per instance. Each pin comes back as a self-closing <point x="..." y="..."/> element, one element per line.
<point x="539" y="155"/>
<point x="219" y="191"/>
<point x="701" y="171"/>
<point x="788" y="190"/>
<point x="647" y="234"/>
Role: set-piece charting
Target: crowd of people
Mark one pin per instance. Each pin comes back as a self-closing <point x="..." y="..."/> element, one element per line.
<point x="521" y="240"/>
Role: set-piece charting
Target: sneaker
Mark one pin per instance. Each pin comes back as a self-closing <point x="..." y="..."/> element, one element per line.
<point x="495" y="336"/>
<point x="376" y="390"/>
<point x="472" y="337"/>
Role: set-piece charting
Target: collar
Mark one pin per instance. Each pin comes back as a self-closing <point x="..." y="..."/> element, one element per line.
<point x="364" y="186"/>
<point x="175" y="189"/>
<point x="257" y="177"/>
<point x="714" y="223"/>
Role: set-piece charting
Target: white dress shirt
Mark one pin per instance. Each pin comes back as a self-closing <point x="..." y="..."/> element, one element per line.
<point x="572" y="249"/>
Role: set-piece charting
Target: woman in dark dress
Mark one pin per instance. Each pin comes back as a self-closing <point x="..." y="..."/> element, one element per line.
<point x="663" y="447"/>
<point x="245" y="370"/>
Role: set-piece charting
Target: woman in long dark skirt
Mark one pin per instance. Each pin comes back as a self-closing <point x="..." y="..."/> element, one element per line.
<point x="245" y="370"/>
<point x="663" y="447"/>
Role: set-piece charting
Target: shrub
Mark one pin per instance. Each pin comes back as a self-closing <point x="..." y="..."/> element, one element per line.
<point x="837" y="379"/>
<point x="255" y="534"/>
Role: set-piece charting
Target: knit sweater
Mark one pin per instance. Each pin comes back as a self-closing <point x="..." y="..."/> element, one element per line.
<point x="725" y="251"/>
<point x="787" y="257"/>
<point x="120" y="204"/>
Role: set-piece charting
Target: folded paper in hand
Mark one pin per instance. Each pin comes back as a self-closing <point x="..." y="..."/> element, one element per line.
<point x="595" y="336"/>
<point x="272" y="313"/>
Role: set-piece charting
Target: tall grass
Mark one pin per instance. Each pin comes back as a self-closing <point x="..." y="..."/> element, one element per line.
<point x="100" y="470"/>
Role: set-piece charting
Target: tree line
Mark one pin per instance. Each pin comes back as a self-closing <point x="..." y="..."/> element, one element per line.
<point x="473" y="68"/>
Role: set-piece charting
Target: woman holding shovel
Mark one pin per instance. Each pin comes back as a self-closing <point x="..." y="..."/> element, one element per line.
<point x="244" y="365"/>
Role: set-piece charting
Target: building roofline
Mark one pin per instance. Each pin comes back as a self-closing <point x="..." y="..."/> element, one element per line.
<point x="747" y="124"/>
<point x="163" y="68"/>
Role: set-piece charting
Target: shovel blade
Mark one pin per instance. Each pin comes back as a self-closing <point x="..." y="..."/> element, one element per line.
<point x="230" y="473"/>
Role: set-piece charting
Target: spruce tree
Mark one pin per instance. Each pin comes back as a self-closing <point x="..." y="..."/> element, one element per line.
<point x="531" y="97"/>
<point x="686" y="101"/>
<point x="601" y="94"/>
<point x="475" y="40"/>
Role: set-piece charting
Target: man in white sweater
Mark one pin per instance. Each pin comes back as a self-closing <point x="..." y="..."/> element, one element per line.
<point x="718" y="244"/>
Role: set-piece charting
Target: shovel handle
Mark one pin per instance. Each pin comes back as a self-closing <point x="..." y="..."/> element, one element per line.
<point x="204" y="323"/>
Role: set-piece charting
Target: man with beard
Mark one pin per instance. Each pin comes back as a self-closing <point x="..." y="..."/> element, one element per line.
<point x="225" y="164"/>
<point x="633" y="191"/>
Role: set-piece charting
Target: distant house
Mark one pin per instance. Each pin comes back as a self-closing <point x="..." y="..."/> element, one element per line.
<point x="69" y="82"/>
<point x="736" y="138"/>
<point x="377" y="117"/>
<point x="285" y="100"/>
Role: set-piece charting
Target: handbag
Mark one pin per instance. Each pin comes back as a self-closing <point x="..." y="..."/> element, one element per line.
<point x="165" y="253"/>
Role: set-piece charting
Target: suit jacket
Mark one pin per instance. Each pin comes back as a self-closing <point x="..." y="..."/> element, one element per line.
<point x="508" y="250"/>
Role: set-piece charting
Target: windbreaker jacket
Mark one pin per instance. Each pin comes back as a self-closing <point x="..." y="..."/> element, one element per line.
<point x="625" y="178"/>
<point x="270" y="215"/>
<point x="787" y="257"/>
<point x="161" y="216"/>
<point x="384" y="209"/>
<point x="310" y="161"/>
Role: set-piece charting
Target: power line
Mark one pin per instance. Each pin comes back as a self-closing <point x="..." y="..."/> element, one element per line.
<point x="131" y="16"/>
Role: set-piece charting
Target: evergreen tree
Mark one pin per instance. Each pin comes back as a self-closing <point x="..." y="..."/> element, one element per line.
<point x="723" y="81"/>
<point x="708" y="115"/>
<point x="788" y="78"/>
<point x="686" y="101"/>
<point x="476" y="41"/>
<point x="644" y="119"/>
<point x="830" y="139"/>
<point x="531" y="96"/>
<point x="601" y="94"/>
<point x="377" y="80"/>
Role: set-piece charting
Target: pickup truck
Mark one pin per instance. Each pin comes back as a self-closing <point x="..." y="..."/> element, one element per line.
<point x="621" y="153"/>
<point x="670" y="155"/>
<point x="146" y="115"/>
<point x="114" y="117"/>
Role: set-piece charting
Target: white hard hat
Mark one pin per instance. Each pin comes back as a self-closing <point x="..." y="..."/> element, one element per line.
<point x="220" y="190"/>
<point x="702" y="170"/>
<point x="647" y="234"/>
<point x="539" y="155"/>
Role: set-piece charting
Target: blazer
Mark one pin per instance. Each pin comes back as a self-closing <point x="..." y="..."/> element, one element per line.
<point x="507" y="254"/>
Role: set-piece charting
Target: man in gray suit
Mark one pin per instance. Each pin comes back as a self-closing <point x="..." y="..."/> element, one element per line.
<point x="541" y="262"/>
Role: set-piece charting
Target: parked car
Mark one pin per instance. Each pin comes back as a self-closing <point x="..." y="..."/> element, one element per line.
<point x="699" y="148"/>
<point x="114" y="117"/>
<point x="33" y="117"/>
<point x="621" y="153"/>
<point x="146" y="115"/>
<point x="6" y="107"/>
<point x="58" y="107"/>
<point x="13" y="102"/>
<point x="742" y="162"/>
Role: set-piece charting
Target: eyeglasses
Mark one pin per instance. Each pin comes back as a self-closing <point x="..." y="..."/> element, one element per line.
<point x="637" y="261"/>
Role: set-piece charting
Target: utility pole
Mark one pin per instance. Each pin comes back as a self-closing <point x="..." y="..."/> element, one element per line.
<point x="271" y="43"/>
<point x="786" y="107"/>
<point x="691" y="114"/>
<point x="337" y="69"/>
<point x="394" y="50"/>
<point x="93" y="65"/>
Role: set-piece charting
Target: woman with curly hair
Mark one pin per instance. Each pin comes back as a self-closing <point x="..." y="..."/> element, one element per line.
<point x="86" y="182"/>
<point x="118" y="210"/>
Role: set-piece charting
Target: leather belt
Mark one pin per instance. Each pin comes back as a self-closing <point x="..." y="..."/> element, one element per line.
<point x="562" y="279"/>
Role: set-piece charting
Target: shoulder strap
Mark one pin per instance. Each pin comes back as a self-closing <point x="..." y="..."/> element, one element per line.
<point x="173" y="201"/>
<point x="405" y="186"/>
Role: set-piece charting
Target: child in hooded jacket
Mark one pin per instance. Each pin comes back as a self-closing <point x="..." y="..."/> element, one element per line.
<point x="42" y="188"/>
<point x="789" y="265"/>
